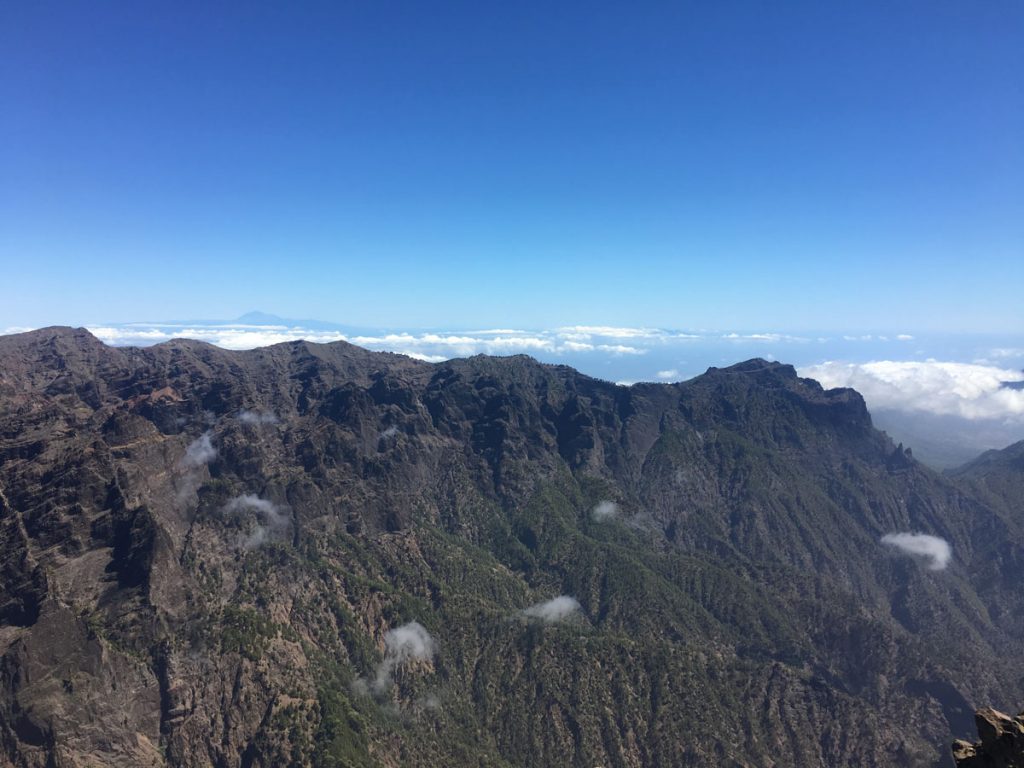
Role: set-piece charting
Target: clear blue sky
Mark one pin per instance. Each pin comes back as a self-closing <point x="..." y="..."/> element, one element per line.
<point x="715" y="164"/>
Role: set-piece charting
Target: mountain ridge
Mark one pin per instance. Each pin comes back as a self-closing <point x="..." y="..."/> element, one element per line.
<point x="246" y="527"/>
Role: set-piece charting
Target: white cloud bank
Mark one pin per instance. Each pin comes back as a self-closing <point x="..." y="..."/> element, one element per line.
<point x="936" y="550"/>
<point x="555" y="610"/>
<point x="402" y="645"/>
<point x="966" y="390"/>
<point x="226" y="336"/>
<point x="592" y="341"/>
<point x="428" y="347"/>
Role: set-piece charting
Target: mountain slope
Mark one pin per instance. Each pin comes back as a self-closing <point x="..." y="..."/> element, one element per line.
<point x="203" y="552"/>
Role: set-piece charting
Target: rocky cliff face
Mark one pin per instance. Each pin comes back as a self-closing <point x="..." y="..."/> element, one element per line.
<point x="1001" y="744"/>
<point x="314" y="554"/>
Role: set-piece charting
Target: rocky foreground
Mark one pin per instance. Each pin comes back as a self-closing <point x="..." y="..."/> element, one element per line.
<point x="1001" y="744"/>
<point x="318" y="555"/>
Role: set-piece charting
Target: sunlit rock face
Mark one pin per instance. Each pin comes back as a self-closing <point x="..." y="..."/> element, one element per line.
<point x="1001" y="742"/>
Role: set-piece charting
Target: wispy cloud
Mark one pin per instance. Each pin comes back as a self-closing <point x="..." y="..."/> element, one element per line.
<point x="668" y="375"/>
<point x="274" y="519"/>
<point x="1006" y="352"/>
<point x="557" y="609"/>
<point x="621" y="349"/>
<point x="934" y="549"/>
<point x="256" y="418"/>
<point x="959" y="389"/>
<point x="199" y="452"/>
<point x="763" y="337"/>
<point x="585" y="332"/>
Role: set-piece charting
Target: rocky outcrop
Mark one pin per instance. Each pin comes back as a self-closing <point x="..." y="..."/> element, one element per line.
<point x="1001" y="745"/>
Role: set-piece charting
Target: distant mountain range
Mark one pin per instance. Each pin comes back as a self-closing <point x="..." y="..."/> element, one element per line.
<point x="937" y="394"/>
<point x="320" y="555"/>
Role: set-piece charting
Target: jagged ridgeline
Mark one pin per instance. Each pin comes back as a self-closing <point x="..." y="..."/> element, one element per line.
<point x="319" y="555"/>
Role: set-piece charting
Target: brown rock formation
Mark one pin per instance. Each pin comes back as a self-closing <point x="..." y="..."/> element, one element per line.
<point x="1001" y="745"/>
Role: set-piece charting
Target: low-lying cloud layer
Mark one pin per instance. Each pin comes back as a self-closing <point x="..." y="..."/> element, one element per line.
<point x="429" y="347"/>
<point x="934" y="549"/>
<point x="557" y="609"/>
<point x="616" y="341"/>
<point x="966" y="390"/>
<point x="402" y="645"/>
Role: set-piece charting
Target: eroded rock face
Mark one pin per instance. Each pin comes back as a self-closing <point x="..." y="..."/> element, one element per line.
<point x="202" y="554"/>
<point x="1001" y="744"/>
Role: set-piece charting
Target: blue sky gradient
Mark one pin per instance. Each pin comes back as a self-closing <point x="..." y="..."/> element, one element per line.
<point x="689" y="165"/>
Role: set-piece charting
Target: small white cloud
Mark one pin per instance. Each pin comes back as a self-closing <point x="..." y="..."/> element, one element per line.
<point x="256" y="418"/>
<point x="604" y="510"/>
<point x="555" y="610"/>
<point x="668" y="375"/>
<point x="904" y="337"/>
<point x="936" y="550"/>
<point x="577" y="346"/>
<point x="199" y="452"/>
<point x="431" y="701"/>
<point x="621" y="349"/>
<point x="275" y="518"/>
<point x="402" y="645"/>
